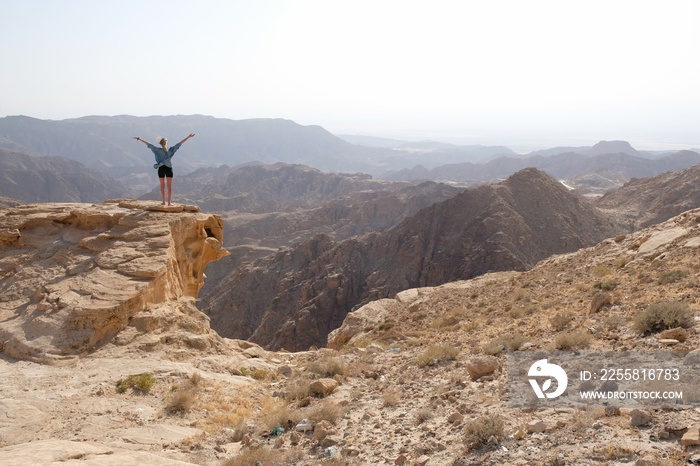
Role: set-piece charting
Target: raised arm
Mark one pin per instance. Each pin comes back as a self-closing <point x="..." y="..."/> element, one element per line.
<point x="190" y="136"/>
<point x="139" y="139"/>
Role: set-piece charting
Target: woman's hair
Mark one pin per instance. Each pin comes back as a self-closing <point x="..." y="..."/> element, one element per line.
<point x="163" y="143"/>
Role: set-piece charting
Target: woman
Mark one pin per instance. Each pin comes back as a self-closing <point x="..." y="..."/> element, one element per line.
<point x="163" y="164"/>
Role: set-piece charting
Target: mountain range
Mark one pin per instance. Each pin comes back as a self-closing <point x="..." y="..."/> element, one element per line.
<point x="293" y="298"/>
<point x="54" y="179"/>
<point x="104" y="143"/>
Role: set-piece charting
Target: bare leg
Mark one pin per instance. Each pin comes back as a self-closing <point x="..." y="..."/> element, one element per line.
<point x="170" y="189"/>
<point x="162" y="189"/>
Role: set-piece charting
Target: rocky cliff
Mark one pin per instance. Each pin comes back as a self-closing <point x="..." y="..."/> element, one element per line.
<point x="76" y="276"/>
<point x="293" y="299"/>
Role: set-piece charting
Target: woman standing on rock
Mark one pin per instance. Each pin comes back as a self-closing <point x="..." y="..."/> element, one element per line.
<point x="163" y="164"/>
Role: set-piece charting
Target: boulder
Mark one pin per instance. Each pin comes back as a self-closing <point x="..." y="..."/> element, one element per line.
<point x="482" y="366"/>
<point x="323" y="387"/>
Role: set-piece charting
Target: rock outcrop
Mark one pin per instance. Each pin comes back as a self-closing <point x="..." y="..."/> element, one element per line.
<point x="645" y="202"/>
<point x="73" y="276"/>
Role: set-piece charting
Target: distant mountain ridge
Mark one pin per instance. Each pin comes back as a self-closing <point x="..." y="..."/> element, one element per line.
<point x="566" y="165"/>
<point x="54" y="179"/>
<point x="105" y="141"/>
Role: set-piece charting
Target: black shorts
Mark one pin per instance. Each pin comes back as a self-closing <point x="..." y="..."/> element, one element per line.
<point x="165" y="172"/>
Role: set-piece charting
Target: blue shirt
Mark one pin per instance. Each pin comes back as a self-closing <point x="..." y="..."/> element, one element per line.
<point x="163" y="158"/>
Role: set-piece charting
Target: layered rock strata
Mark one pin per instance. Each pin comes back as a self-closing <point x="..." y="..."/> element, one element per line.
<point x="73" y="276"/>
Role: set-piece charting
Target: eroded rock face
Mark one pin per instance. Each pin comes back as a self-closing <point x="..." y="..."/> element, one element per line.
<point x="72" y="276"/>
<point x="295" y="298"/>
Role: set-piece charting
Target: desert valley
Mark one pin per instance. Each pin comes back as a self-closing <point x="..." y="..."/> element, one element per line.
<point x="319" y="300"/>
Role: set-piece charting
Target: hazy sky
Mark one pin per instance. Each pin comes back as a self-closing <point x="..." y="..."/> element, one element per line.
<point x="519" y="72"/>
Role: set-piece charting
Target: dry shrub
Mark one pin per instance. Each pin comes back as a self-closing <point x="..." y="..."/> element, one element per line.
<point x="141" y="382"/>
<point x="601" y="270"/>
<point x="599" y="301"/>
<point x="451" y="319"/>
<point x="661" y="316"/>
<point x="423" y="415"/>
<point x="327" y="366"/>
<point x="181" y="401"/>
<point x="611" y="323"/>
<point x="253" y="456"/>
<point x="672" y="276"/>
<point x="274" y="411"/>
<point x="326" y="410"/>
<point x="183" y="397"/>
<point x="478" y="432"/>
<point x="225" y="408"/>
<point x="611" y="452"/>
<point x="606" y="285"/>
<point x="507" y="342"/>
<point x="436" y="354"/>
<point x="391" y="397"/>
<point x="622" y="261"/>
<point x="298" y="389"/>
<point x="257" y="373"/>
<point x="577" y="339"/>
<point x="560" y="321"/>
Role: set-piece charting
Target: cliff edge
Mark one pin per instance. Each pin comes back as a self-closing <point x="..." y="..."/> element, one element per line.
<point x="73" y="277"/>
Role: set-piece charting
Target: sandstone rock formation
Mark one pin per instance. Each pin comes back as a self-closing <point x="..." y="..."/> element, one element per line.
<point x="73" y="276"/>
<point x="293" y="299"/>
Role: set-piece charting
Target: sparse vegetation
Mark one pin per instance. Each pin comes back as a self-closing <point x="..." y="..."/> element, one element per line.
<point x="601" y="270"/>
<point x="511" y="342"/>
<point x="436" y="354"/>
<point x="423" y="415"/>
<point x="141" y="382"/>
<point x="478" y="432"/>
<point x="325" y="410"/>
<point x="257" y="373"/>
<point x="298" y="389"/>
<point x="273" y="412"/>
<point x="451" y="319"/>
<point x="328" y="366"/>
<point x="391" y="397"/>
<point x="664" y="315"/>
<point x="672" y="276"/>
<point x="560" y="321"/>
<point x="611" y="323"/>
<point x="600" y="300"/>
<point x="622" y="261"/>
<point x="181" y="401"/>
<point x="606" y="285"/>
<point x="253" y="456"/>
<point x="183" y="397"/>
<point x="577" y="339"/>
